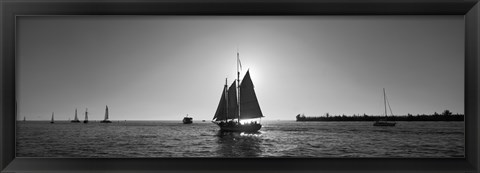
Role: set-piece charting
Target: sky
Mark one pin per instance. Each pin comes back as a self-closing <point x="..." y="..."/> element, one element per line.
<point x="165" y="67"/>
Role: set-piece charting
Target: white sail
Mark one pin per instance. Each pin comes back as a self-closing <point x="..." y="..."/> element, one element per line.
<point x="249" y="107"/>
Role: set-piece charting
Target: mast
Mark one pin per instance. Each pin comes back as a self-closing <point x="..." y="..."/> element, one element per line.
<point x="76" y="118"/>
<point x="52" y="117"/>
<point x="238" y="86"/>
<point x="385" y="102"/>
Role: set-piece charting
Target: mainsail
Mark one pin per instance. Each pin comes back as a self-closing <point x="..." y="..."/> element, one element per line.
<point x="249" y="107"/>
<point x="228" y="105"/>
<point x="106" y="112"/>
<point x="86" y="115"/>
<point x="76" y="118"/>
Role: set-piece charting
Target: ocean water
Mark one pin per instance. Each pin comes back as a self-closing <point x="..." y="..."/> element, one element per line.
<point x="275" y="139"/>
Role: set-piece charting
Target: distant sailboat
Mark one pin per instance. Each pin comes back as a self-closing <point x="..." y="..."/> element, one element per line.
<point x="384" y="122"/>
<point x="86" y="116"/>
<point x="52" y="121"/>
<point x="106" y="116"/>
<point x="24" y="119"/>
<point x="75" y="120"/>
<point x="232" y="109"/>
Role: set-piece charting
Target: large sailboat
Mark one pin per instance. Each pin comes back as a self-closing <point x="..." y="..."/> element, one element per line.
<point x="52" y="121"/>
<point x="75" y="120"/>
<point x="106" y="116"/>
<point x="238" y="102"/>
<point x="86" y="116"/>
<point x="385" y="122"/>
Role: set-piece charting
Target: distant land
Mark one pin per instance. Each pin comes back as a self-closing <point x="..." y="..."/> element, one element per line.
<point x="445" y="116"/>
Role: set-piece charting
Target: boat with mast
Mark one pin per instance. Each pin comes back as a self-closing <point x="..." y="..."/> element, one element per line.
<point x="52" y="121"/>
<point x="24" y="119"/>
<point x="75" y="120"/>
<point x="238" y="102"/>
<point x="86" y="116"/>
<point x="384" y="122"/>
<point x="106" y="116"/>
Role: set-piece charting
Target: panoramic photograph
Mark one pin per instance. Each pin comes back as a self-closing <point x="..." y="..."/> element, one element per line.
<point x="240" y="86"/>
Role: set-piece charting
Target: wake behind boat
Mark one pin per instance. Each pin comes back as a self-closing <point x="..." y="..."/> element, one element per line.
<point x="238" y="102"/>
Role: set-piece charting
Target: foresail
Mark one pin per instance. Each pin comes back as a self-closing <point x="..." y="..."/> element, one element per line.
<point x="221" y="113"/>
<point x="249" y="107"/>
<point x="232" y="102"/>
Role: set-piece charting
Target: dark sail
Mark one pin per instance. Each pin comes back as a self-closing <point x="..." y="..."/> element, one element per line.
<point x="232" y="101"/>
<point x="221" y="113"/>
<point x="86" y="116"/>
<point x="249" y="107"/>
<point x="76" y="118"/>
<point x="106" y="113"/>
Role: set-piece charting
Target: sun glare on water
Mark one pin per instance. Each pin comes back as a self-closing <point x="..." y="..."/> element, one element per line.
<point x="247" y="121"/>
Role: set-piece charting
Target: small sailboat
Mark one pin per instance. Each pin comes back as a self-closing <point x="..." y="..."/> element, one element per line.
<point x="106" y="116"/>
<point x="52" y="121"/>
<point x="187" y="120"/>
<point x="238" y="102"/>
<point x="385" y="122"/>
<point x="75" y="120"/>
<point x="86" y="116"/>
<point x="24" y="119"/>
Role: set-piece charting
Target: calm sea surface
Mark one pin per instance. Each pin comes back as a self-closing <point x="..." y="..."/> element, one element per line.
<point x="275" y="139"/>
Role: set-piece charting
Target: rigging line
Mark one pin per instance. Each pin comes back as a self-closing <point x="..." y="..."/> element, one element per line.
<point x="388" y="103"/>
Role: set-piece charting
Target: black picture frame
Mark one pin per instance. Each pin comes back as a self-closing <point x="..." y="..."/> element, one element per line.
<point x="9" y="9"/>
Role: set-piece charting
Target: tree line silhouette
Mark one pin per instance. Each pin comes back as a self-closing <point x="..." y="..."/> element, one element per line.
<point x="446" y="115"/>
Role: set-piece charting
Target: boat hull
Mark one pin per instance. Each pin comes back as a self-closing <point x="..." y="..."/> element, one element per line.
<point x="105" y="121"/>
<point x="75" y="121"/>
<point x="187" y="120"/>
<point x="230" y="127"/>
